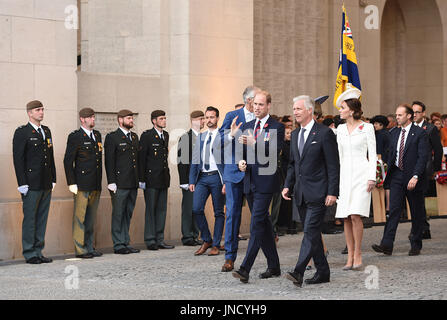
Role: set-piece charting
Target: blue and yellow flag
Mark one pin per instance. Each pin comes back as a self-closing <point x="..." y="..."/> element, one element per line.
<point x="348" y="73"/>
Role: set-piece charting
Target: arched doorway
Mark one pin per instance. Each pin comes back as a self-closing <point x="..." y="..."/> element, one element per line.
<point x="411" y="54"/>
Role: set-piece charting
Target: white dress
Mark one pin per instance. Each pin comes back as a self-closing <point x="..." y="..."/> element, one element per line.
<point x="358" y="164"/>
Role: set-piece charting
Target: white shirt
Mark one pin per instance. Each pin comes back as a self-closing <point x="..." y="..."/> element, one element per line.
<point x="407" y="130"/>
<point x="196" y="133"/>
<point x="308" y="128"/>
<point x="419" y="124"/>
<point x="88" y="132"/>
<point x="125" y="132"/>
<point x="263" y="121"/>
<point x="160" y="133"/>
<point x="212" y="162"/>
<point x="249" y="116"/>
<point x="36" y="127"/>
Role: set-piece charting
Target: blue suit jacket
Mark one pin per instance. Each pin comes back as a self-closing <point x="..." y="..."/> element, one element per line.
<point x="232" y="173"/>
<point x="197" y="158"/>
<point x="415" y="156"/>
<point x="263" y="174"/>
<point x="315" y="174"/>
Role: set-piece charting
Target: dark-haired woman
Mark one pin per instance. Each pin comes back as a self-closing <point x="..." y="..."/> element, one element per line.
<point x="357" y="149"/>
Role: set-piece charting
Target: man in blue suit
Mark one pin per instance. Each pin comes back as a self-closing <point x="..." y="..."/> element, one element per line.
<point x="233" y="177"/>
<point x="262" y="146"/>
<point x="205" y="178"/>
<point x="313" y="175"/>
<point x="407" y="160"/>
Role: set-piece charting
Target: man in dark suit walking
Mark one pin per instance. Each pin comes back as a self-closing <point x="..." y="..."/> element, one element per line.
<point x="121" y="161"/>
<point x="262" y="140"/>
<point x="36" y="176"/>
<point x="405" y="178"/>
<point x="83" y="170"/>
<point x="313" y="178"/>
<point x="205" y="178"/>
<point x="190" y="231"/>
<point x="233" y="177"/>
<point x="154" y="172"/>
<point x="434" y="162"/>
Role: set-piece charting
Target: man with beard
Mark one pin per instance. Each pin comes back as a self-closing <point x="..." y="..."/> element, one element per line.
<point x="154" y="172"/>
<point x="205" y="178"/>
<point x="83" y="170"/>
<point x="121" y="160"/>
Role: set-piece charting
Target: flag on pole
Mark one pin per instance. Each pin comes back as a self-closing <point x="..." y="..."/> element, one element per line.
<point x="348" y="73"/>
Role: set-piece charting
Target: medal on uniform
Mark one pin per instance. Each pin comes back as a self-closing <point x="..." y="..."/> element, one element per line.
<point x="100" y="146"/>
<point x="266" y="136"/>
<point x="49" y="142"/>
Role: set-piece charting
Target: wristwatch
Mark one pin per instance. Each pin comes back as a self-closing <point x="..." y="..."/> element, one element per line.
<point x="416" y="177"/>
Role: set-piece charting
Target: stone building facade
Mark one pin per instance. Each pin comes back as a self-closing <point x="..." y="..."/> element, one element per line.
<point x="183" y="55"/>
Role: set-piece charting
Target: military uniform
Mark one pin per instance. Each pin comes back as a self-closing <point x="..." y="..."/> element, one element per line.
<point x="34" y="166"/>
<point x="121" y="161"/>
<point x="154" y="171"/>
<point x="83" y="167"/>
<point x="190" y="231"/>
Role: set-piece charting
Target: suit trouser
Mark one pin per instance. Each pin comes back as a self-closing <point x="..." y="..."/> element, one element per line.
<point x="398" y="192"/>
<point x="276" y="206"/>
<point x="234" y="197"/>
<point x="123" y="204"/>
<point x="190" y="231"/>
<point x="205" y="186"/>
<point x="312" y="216"/>
<point x="261" y="232"/>
<point x="84" y="216"/>
<point x="155" y="215"/>
<point x="36" y="205"/>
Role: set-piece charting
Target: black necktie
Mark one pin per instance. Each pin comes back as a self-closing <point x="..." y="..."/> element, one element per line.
<point x="207" y="153"/>
<point x="128" y="137"/>
<point x="257" y="129"/>
<point x="91" y="137"/>
<point x="301" y="142"/>
<point x="41" y="134"/>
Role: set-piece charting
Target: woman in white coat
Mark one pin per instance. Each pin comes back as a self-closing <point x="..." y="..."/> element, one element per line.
<point x="358" y="160"/>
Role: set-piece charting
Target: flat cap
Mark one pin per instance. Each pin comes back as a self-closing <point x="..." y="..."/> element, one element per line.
<point x="124" y="113"/>
<point x="157" y="113"/>
<point x="197" y="114"/>
<point x="33" y="105"/>
<point x="86" y="113"/>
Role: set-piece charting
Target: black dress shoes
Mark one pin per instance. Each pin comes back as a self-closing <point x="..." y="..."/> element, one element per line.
<point x="163" y="245"/>
<point x="426" y="235"/>
<point x="133" y="250"/>
<point x="317" y="278"/>
<point x="296" y="278"/>
<point x="45" y="259"/>
<point x="190" y="243"/>
<point x="34" y="260"/>
<point x="96" y="253"/>
<point x="270" y="273"/>
<point x="382" y="249"/>
<point x="242" y="275"/>
<point x="152" y="247"/>
<point x="122" y="251"/>
<point x="85" y="256"/>
<point x="345" y="250"/>
<point x="414" y="252"/>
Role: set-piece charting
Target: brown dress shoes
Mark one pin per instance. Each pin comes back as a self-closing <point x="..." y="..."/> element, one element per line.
<point x="203" y="248"/>
<point x="228" y="266"/>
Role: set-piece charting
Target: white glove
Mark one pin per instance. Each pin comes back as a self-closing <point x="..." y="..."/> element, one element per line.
<point x="23" y="189"/>
<point x="142" y="185"/>
<point x="73" y="188"/>
<point x="54" y="184"/>
<point x="184" y="186"/>
<point x="112" y="187"/>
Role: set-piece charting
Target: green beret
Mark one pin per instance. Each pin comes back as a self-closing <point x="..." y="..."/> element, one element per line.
<point x="33" y="105"/>
<point x="124" y="113"/>
<point x="157" y="113"/>
<point x="86" y="113"/>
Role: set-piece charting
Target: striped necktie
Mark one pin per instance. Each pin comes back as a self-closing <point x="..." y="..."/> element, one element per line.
<point x="401" y="150"/>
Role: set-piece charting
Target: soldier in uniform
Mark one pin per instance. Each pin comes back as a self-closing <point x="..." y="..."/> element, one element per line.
<point x="121" y="161"/>
<point x="83" y="170"/>
<point x="190" y="231"/>
<point x="154" y="172"/>
<point x="36" y="176"/>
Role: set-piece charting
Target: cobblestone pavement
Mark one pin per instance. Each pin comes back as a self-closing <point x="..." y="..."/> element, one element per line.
<point x="178" y="274"/>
